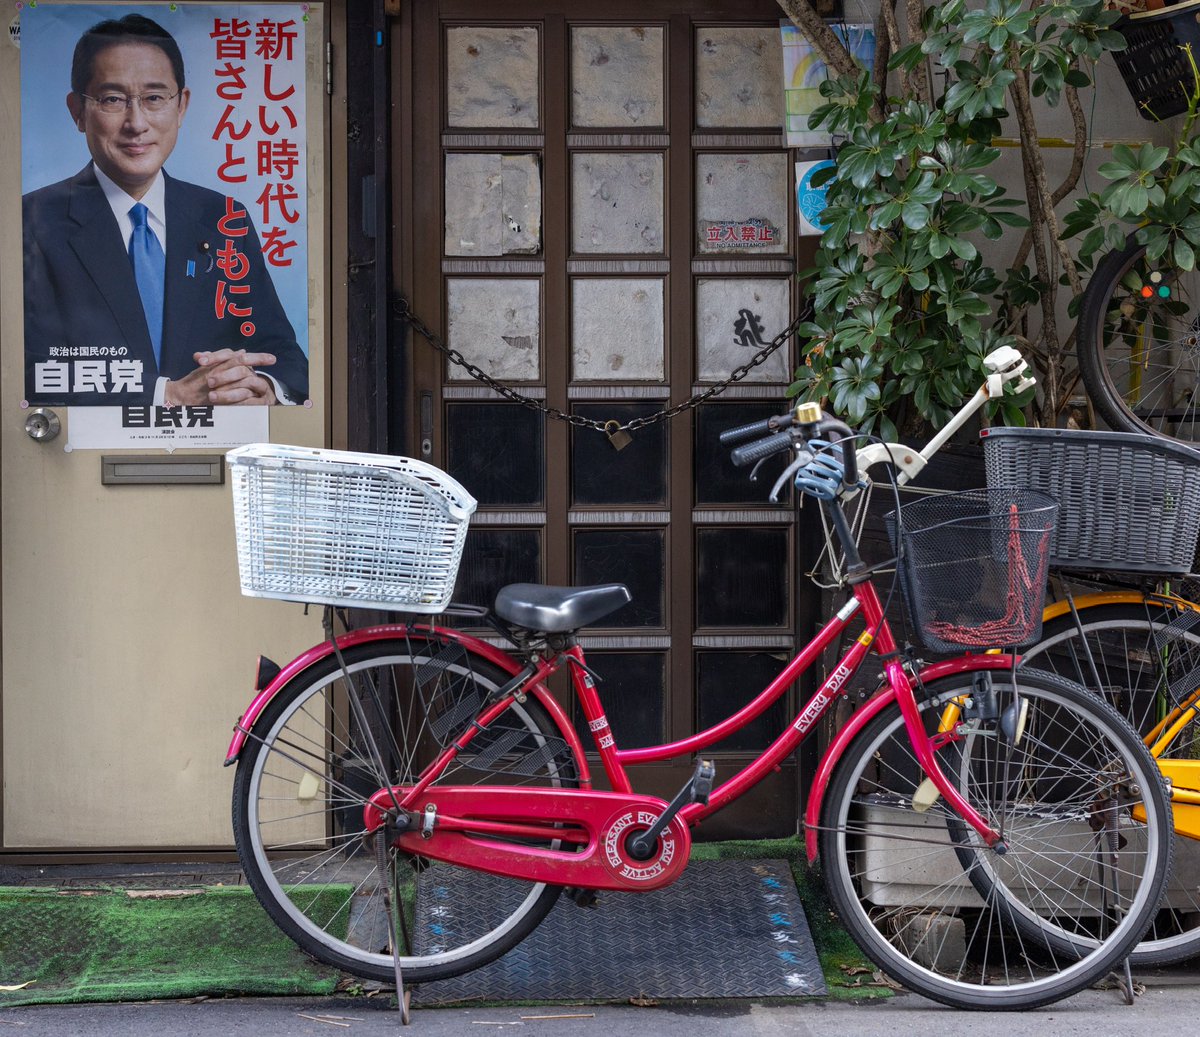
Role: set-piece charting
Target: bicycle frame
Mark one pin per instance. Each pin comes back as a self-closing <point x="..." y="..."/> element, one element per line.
<point x="588" y="822"/>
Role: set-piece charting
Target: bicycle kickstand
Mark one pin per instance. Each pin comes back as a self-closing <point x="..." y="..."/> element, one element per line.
<point x="1125" y="982"/>
<point x="403" y="997"/>
<point x="1107" y="845"/>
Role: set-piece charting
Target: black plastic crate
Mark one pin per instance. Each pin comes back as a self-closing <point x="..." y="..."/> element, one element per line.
<point x="1154" y="65"/>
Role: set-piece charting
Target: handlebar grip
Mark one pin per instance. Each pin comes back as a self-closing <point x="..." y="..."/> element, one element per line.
<point x="755" y="428"/>
<point x="756" y="451"/>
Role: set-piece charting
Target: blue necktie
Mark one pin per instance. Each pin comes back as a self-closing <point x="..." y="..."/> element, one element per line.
<point x="149" y="270"/>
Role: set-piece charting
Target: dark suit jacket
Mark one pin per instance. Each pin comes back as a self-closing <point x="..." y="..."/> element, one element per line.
<point x="80" y="291"/>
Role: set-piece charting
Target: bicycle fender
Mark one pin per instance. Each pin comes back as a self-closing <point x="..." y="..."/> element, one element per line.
<point x="1086" y="601"/>
<point x="324" y="649"/>
<point x="863" y="716"/>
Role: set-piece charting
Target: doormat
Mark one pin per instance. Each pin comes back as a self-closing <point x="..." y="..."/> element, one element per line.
<point x="725" y="928"/>
<point x="65" y="946"/>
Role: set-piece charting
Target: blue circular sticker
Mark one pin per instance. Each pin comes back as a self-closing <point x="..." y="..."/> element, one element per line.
<point x="810" y="201"/>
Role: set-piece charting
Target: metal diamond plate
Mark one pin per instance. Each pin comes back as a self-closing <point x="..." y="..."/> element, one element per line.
<point x="724" y="929"/>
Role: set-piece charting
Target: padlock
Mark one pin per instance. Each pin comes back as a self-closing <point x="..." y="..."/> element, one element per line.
<point x="617" y="436"/>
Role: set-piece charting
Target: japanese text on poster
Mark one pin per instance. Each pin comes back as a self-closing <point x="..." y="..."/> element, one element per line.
<point x="164" y="218"/>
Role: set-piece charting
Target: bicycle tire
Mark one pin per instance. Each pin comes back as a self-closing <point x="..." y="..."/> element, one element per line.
<point x="1147" y="658"/>
<point x="896" y="878"/>
<point x="303" y="779"/>
<point x="1140" y="357"/>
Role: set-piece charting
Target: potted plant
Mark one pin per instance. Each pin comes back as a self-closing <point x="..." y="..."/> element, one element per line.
<point x="906" y="304"/>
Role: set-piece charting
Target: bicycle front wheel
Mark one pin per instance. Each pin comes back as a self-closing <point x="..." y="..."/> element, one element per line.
<point x="1081" y="810"/>
<point x="1147" y="659"/>
<point x="308" y="769"/>
<point x="1138" y="344"/>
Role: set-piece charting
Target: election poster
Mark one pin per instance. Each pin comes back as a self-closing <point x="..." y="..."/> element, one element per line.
<point x="164" y="216"/>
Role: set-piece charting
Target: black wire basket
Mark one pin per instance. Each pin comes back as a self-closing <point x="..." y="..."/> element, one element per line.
<point x="1153" y="64"/>
<point x="973" y="566"/>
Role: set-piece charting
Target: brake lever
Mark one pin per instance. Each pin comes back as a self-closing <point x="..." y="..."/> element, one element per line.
<point x="802" y="458"/>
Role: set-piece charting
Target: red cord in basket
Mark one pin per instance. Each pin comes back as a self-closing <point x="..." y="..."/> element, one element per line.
<point x="1016" y="623"/>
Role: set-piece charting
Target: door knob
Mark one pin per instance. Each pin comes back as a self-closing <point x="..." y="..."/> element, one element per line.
<point x="42" y="424"/>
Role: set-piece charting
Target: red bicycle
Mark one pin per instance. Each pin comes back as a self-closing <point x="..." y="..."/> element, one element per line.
<point x="411" y="800"/>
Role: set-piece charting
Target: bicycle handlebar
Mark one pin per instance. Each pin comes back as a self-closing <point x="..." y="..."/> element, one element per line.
<point x="748" y="453"/>
<point x="756" y="428"/>
<point x="846" y="436"/>
<point x="796" y="435"/>
<point x="776" y="434"/>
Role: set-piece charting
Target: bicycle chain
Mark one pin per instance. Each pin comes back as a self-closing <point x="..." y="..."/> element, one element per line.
<point x="610" y="428"/>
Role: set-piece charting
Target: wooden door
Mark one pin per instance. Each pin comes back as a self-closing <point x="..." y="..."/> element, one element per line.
<point x="597" y="214"/>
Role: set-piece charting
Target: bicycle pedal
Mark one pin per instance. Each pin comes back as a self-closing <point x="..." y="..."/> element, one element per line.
<point x="586" y="898"/>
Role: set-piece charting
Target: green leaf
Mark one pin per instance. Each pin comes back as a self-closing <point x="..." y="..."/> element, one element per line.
<point x="1185" y="257"/>
<point x="963" y="248"/>
<point x="1092" y="241"/>
<point x="915" y="215"/>
<point x="907" y="58"/>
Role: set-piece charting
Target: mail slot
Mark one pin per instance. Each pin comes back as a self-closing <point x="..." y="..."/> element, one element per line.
<point x="162" y="469"/>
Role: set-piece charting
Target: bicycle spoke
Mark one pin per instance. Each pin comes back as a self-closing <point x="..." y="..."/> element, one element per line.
<point x="307" y="775"/>
<point x="961" y="922"/>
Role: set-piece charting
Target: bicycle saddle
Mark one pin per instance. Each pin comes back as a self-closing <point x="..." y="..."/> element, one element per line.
<point x="555" y="610"/>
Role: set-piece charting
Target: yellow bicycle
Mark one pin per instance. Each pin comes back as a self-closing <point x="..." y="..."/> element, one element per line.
<point x="1129" y="511"/>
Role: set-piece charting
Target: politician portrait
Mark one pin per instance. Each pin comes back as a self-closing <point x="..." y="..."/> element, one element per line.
<point x="143" y="286"/>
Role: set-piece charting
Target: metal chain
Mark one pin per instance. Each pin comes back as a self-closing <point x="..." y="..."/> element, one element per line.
<point x="404" y="313"/>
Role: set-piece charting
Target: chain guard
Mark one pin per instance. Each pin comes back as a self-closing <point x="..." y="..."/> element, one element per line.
<point x="567" y="837"/>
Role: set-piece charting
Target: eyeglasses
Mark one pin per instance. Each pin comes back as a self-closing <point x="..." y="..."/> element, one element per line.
<point x="112" y="104"/>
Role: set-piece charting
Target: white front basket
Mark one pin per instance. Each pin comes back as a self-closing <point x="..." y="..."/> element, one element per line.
<point x="338" y="528"/>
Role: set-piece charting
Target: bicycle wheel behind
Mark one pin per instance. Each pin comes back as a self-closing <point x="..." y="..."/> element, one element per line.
<point x="1081" y="810"/>
<point x="1138" y="343"/>
<point x="308" y="770"/>
<point x="1147" y="658"/>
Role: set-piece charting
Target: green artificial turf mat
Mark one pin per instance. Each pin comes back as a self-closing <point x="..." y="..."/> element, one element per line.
<point x="114" y="945"/>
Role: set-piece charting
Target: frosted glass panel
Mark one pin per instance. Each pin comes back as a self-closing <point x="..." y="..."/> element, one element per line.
<point x="633" y="307"/>
<point x="617" y="202"/>
<point x="617" y="76"/>
<point x="735" y="317"/>
<point x="739" y="78"/>
<point x="742" y="203"/>
<point x="494" y="322"/>
<point x="492" y="77"/>
<point x="493" y="205"/>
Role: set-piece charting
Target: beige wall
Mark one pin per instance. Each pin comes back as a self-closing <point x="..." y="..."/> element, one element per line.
<point x="128" y="651"/>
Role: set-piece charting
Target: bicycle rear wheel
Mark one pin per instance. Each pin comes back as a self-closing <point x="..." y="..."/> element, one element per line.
<point x="1147" y="658"/>
<point x="961" y="923"/>
<point x="1138" y="344"/>
<point x="307" y="772"/>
